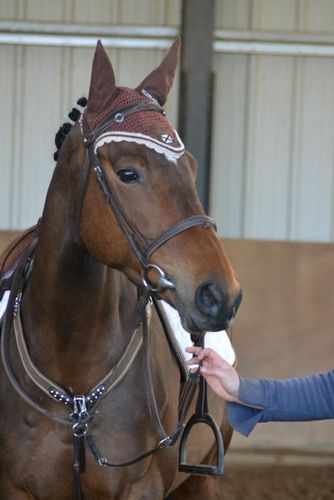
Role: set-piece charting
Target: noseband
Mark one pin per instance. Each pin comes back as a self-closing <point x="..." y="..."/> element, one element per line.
<point x="138" y="243"/>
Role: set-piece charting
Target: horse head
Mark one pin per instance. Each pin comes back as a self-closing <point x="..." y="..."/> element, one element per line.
<point x="147" y="220"/>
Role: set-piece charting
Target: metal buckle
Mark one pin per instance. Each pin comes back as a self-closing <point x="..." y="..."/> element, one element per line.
<point x="102" y="461"/>
<point x="162" y="282"/>
<point x="79" y="429"/>
<point x="79" y="416"/>
<point x="119" y="117"/>
<point x="79" y="407"/>
<point x="167" y="441"/>
<point x="17" y="304"/>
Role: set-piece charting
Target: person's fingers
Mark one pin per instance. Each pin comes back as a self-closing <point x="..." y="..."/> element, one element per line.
<point x="207" y="356"/>
<point x="195" y="360"/>
<point x="210" y="370"/>
<point x="197" y="350"/>
<point x="201" y="353"/>
<point x="193" y="349"/>
<point x="205" y="362"/>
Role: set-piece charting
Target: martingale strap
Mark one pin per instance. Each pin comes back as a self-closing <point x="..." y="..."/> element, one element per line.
<point x="17" y="287"/>
<point x="83" y="406"/>
<point x="49" y="387"/>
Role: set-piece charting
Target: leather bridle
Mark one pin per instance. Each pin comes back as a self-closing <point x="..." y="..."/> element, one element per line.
<point x="83" y="406"/>
<point x="138" y="243"/>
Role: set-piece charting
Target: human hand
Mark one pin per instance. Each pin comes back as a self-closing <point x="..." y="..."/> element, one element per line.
<point x="220" y="375"/>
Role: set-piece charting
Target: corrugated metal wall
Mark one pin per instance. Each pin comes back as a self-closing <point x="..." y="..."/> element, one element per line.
<point x="39" y="85"/>
<point x="273" y="121"/>
<point x="273" y="132"/>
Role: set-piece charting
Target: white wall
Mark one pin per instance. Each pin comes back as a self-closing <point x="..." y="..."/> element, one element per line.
<point x="40" y="84"/>
<point x="273" y="120"/>
<point x="273" y="123"/>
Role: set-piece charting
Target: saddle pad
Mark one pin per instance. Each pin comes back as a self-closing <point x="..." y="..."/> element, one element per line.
<point x="219" y="341"/>
<point x="10" y="258"/>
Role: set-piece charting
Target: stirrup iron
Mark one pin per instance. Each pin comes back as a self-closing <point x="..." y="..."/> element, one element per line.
<point x="201" y="416"/>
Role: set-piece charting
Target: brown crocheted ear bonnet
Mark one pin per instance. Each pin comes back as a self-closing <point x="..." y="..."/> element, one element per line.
<point x="151" y="129"/>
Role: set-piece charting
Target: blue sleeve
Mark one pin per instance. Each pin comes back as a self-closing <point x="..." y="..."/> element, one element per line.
<point x="295" y="399"/>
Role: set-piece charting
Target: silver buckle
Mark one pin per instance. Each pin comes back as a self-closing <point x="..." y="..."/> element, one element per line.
<point x="162" y="283"/>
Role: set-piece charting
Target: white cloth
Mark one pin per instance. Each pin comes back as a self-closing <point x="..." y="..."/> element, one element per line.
<point x="219" y="341"/>
<point x="3" y="303"/>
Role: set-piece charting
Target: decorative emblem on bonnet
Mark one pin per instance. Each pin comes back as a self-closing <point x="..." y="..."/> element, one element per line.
<point x="167" y="139"/>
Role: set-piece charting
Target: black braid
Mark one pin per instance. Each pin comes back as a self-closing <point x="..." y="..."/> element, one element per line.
<point x="74" y="115"/>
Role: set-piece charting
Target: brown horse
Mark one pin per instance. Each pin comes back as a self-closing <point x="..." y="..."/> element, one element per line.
<point x="121" y="218"/>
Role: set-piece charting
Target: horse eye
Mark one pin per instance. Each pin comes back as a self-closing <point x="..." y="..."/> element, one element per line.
<point x="128" y="175"/>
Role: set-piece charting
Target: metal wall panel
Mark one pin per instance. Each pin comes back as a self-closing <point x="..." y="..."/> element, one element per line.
<point x="272" y="140"/>
<point x="312" y="154"/>
<point x="316" y="15"/>
<point x="268" y="140"/>
<point x="229" y="129"/>
<point x="232" y="14"/>
<point x="41" y="10"/>
<point x="40" y="84"/>
<point x="99" y="11"/>
<point x="9" y="9"/>
<point x="273" y="15"/>
<point x="273" y="123"/>
<point x="7" y="132"/>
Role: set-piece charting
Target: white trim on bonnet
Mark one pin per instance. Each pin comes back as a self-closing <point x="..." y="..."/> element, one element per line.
<point x="170" y="152"/>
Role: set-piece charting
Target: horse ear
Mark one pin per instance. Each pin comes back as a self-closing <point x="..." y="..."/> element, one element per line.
<point x="159" y="82"/>
<point x="102" y="90"/>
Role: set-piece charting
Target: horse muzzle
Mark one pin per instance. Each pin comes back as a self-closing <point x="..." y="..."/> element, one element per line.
<point x="212" y="309"/>
<point x="216" y="307"/>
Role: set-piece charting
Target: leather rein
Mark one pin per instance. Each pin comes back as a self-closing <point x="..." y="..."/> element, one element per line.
<point x="83" y="407"/>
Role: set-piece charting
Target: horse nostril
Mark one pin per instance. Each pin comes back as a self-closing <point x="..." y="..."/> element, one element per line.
<point x="236" y="305"/>
<point x="209" y="299"/>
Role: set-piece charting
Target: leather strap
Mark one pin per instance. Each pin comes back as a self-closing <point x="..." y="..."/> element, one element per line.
<point x="181" y="226"/>
<point x="141" y="248"/>
<point x="139" y="244"/>
<point x="113" y="377"/>
<point x="118" y="116"/>
<point x="49" y="387"/>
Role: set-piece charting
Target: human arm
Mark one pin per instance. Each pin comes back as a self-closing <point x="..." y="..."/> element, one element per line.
<point x="266" y="400"/>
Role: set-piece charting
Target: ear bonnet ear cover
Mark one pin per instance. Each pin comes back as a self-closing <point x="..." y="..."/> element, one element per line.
<point x="146" y="127"/>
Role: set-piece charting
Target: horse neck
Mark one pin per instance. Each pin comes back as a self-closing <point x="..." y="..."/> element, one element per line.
<point x="74" y="314"/>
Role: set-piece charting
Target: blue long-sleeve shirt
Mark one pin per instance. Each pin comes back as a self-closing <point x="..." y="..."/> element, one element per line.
<point x="295" y="399"/>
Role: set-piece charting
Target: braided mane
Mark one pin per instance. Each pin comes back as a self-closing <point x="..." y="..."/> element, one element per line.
<point x="62" y="132"/>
